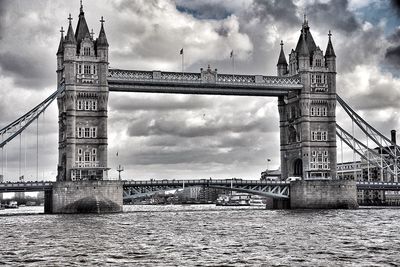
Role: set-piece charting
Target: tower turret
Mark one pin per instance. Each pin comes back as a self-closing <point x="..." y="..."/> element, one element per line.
<point x="102" y="43"/>
<point x="330" y="56"/>
<point x="304" y="53"/>
<point x="70" y="42"/>
<point x="282" y="63"/>
<point x="60" y="56"/>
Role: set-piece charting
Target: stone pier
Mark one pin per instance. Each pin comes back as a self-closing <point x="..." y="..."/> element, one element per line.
<point x="323" y="194"/>
<point x="85" y="197"/>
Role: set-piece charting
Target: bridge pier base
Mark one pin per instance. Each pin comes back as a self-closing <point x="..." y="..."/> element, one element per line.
<point x="323" y="194"/>
<point x="85" y="197"/>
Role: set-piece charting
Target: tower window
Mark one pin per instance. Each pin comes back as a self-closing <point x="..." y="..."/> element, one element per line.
<point x="86" y="51"/>
<point x="318" y="78"/>
<point x="94" y="105"/>
<point x="87" y="132"/>
<point x="80" y="132"/>
<point x="80" y="69"/>
<point x="86" y="69"/>
<point x="87" y="156"/>
<point x="93" y="133"/>
<point x="80" y="106"/>
<point x="318" y="62"/>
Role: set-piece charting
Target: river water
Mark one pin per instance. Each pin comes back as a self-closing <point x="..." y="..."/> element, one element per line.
<point x="201" y="235"/>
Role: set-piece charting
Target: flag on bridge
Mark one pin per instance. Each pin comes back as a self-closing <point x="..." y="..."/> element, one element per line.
<point x="231" y="54"/>
<point x="117" y="154"/>
<point x="183" y="60"/>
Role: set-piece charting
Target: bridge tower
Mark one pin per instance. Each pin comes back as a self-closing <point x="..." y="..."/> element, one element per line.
<point x="308" y="118"/>
<point x="82" y="65"/>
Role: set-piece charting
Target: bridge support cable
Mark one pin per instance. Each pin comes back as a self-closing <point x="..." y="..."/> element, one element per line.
<point x="20" y="156"/>
<point x="19" y="125"/>
<point x="364" y="151"/>
<point x="388" y="150"/>
<point x="2" y="158"/>
<point x="379" y="139"/>
<point x="37" y="150"/>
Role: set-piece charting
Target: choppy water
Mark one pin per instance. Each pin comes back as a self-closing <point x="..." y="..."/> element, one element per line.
<point x="202" y="236"/>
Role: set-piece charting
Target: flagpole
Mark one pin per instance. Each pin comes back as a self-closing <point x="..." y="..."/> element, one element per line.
<point x="183" y="60"/>
<point x="233" y="65"/>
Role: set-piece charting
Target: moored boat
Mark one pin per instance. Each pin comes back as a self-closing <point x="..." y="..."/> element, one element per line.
<point x="11" y="205"/>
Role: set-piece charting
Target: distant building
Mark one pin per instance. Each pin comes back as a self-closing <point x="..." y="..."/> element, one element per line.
<point x="271" y="175"/>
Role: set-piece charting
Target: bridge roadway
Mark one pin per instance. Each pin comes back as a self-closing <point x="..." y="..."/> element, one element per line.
<point x="146" y="186"/>
<point x="206" y="82"/>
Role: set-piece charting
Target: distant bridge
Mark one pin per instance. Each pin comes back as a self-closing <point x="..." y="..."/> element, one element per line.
<point x="136" y="189"/>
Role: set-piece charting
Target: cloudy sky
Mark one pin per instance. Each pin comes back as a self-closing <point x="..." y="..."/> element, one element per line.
<point x="180" y="136"/>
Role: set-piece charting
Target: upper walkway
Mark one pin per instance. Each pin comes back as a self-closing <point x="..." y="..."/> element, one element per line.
<point x="205" y="82"/>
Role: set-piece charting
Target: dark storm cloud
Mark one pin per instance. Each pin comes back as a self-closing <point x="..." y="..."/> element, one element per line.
<point x="396" y="6"/>
<point x="26" y="71"/>
<point x="3" y="8"/>
<point x="334" y="15"/>
<point x="392" y="55"/>
<point x="204" y="9"/>
<point x="281" y="11"/>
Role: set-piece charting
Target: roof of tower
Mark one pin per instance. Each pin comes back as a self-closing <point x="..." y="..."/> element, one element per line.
<point x="82" y="29"/>
<point x="303" y="47"/>
<point x="102" y="40"/>
<point x="329" y="49"/>
<point x="309" y="40"/>
<point x="61" y="45"/>
<point x="70" y="38"/>
<point x="282" y="57"/>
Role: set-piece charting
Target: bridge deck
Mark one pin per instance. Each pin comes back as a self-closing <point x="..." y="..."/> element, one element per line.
<point x="43" y="186"/>
<point x="201" y="182"/>
<point x="200" y="83"/>
<point x="25" y="186"/>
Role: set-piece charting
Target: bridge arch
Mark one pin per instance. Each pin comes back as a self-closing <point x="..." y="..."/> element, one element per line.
<point x="298" y="168"/>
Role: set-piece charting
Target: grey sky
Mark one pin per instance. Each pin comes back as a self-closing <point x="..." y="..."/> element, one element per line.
<point x="180" y="136"/>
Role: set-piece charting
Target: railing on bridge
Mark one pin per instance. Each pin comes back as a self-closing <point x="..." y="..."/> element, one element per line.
<point x="195" y="83"/>
<point x="25" y="186"/>
<point x="274" y="189"/>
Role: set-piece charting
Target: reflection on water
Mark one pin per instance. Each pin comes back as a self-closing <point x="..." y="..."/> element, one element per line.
<point x="202" y="235"/>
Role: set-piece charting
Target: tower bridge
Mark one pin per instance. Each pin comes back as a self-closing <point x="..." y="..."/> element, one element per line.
<point x="305" y="86"/>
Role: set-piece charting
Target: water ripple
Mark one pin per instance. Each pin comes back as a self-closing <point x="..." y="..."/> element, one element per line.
<point x="203" y="236"/>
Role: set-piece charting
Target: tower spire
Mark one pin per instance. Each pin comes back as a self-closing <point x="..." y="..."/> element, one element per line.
<point x="305" y="22"/>
<point x="102" y="40"/>
<point x="304" y="48"/>
<point x="282" y="57"/>
<point x="61" y="45"/>
<point x="82" y="30"/>
<point x="81" y="9"/>
<point x="329" y="49"/>
<point x="70" y="38"/>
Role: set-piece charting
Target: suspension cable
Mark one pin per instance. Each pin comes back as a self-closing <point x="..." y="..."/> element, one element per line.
<point x="44" y="132"/>
<point x="37" y="149"/>
<point x="20" y="157"/>
<point x="25" y="135"/>
<point x="2" y="160"/>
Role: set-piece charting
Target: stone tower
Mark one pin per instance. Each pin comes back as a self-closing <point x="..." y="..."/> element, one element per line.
<point x="307" y="118"/>
<point x="82" y="65"/>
